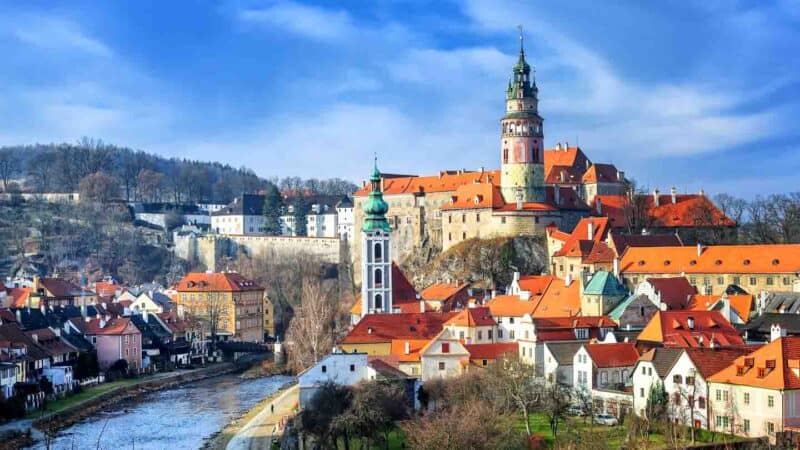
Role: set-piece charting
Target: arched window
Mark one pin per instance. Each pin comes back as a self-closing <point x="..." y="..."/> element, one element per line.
<point x="378" y="277"/>
<point x="378" y="253"/>
<point x="378" y="301"/>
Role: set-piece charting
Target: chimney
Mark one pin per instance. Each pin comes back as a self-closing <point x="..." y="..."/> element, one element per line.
<point x="83" y="310"/>
<point x="690" y="322"/>
<point x="599" y="207"/>
<point x="407" y="348"/>
<point x="568" y="279"/>
<point x="655" y="197"/>
<point x="673" y="193"/>
<point x="590" y="230"/>
<point x="36" y="283"/>
<point x="702" y="192"/>
<point x="35" y="337"/>
<point x="699" y="249"/>
<point x="19" y="316"/>
<point x="144" y="316"/>
<point x="102" y="323"/>
<point x="776" y="332"/>
<point x="557" y="194"/>
<point x="558" y="146"/>
<point x="616" y="268"/>
<point x="620" y="175"/>
<point x="422" y="306"/>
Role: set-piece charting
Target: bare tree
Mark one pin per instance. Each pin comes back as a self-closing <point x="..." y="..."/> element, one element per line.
<point x="98" y="187"/>
<point x="515" y="385"/>
<point x="149" y="185"/>
<point x="311" y="332"/>
<point x="8" y="167"/>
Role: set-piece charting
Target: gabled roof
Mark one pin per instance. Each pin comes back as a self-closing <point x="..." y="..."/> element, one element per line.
<point x="774" y="258"/>
<point x="621" y="354"/>
<point x="622" y="241"/>
<point x="675" y="291"/>
<point x="579" y="241"/>
<point x="690" y="329"/>
<point x="563" y="328"/>
<point x="106" y="288"/>
<point x="782" y="302"/>
<point x="565" y="156"/>
<point x="491" y="351"/>
<point x="559" y="300"/>
<point x="472" y="317"/>
<point x="445" y="181"/>
<point x="601" y="173"/>
<point x="662" y="359"/>
<point x="689" y="210"/>
<point x="59" y="287"/>
<point x="741" y="303"/>
<point x="535" y="284"/>
<point x="511" y="306"/>
<point x="114" y="326"/>
<point x="12" y="332"/>
<point x="442" y="291"/>
<point x="709" y="361"/>
<point x="377" y="328"/>
<point x="604" y="283"/>
<point x="19" y="296"/>
<point x="216" y="282"/>
<point x="563" y="352"/>
<point x="772" y="366"/>
<point x="414" y="347"/>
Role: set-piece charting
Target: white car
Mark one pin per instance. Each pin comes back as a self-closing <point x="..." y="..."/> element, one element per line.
<point x="605" y="419"/>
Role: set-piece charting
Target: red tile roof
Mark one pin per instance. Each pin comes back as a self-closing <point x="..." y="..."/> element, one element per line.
<point x="470" y="196"/>
<point x="414" y="347"/>
<point x="380" y="328"/>
<point x="675" y="291"/>
<point x="491" y="351"/>
<point x="106" y="288"/>
<point x="673" y="329"/>
<point x="446" y="181"/>
<point x="559" y="300"/>
<point x="741" y="303"/>
<point x="115" y="326"/>
<point x="19" y="296"/>
<point x="567" y="157"/>
<point x="564" y="175"/>
<point x="580" y="244"/>
<point x="535" y="284"/>
<point x="774" y="258"/>
<point x="442" y="291"/>
<point x="216" y="282"/>
<point x="511" y="306"/>
<point x="621" y="354"/>
<point x="59" y="287"/>
<point x="689" y="210"/>
<point x="472" y="317"/>
<point x="709" y="361"/>
<point x="773" y="366"/>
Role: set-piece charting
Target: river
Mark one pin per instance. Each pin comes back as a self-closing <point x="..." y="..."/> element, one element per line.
<point x="174" y="419"/>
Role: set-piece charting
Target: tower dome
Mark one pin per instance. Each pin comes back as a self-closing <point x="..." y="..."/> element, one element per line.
<point x="375" y="208"/>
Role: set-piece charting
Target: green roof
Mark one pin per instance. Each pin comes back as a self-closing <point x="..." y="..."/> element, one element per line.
<point x="604" y="283"/>
<point x="375" y="208"/>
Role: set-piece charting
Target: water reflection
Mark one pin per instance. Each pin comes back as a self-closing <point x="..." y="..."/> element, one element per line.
<point x="176" y="419"/>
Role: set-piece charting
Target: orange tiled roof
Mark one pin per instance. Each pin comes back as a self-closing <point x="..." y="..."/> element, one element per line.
<point x="384" y="328"/>
<point x="19" y="296"/>
<point x="673" y="329"/>
<point x="601" y="173"/>
<point x="579" y="243"/>
<point x="114" y="326"/>
<point x="559" y="300"/>
<point x="491" y="351"/>
<point x="709" y="361"/>
<point x="216" y="282"/>
<point x="475" y="195"/>
<point x="442" y="291"/>
<point x="472" y="317"/>
<point x="106" y="288"/>
<point x="446" y="181"/>
<point x="414" y="347"/>
<point x="569" y="157"/>
<point x="620" y="354"/>
<point x="511" y="306"/>
<point x="535" y="284"/>
<point x="689" y="210"/>
<point x="775" y="258"/>
<point x="741" y="303"/>
<point x="773" y="366"/>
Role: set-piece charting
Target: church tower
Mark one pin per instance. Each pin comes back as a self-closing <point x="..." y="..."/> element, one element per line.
<point x="522" y="146"/>
<point x="376" y="258"/>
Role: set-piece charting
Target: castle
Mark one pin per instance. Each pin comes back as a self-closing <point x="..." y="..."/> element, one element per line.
<point x="534" y="187"/>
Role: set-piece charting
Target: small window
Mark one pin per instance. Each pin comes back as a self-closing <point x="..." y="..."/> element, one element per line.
<point x="324" y="368"/>
<point x="485" y="362"/>
<point x="352" y="367"/>
<point x="445" y="347"/>
<point x="677" y="379"/>
<point x="746" y="398"/>
<point x="441" y="366"/>
<point x="770" y="401"/>
<point x="770" y="281"/>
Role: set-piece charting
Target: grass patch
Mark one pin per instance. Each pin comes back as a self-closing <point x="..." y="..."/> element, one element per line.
<point x="84" y="395"/>
<point x="396" y="442"/>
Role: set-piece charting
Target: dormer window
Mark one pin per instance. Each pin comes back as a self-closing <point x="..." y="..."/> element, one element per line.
<point x="582" y="333"/>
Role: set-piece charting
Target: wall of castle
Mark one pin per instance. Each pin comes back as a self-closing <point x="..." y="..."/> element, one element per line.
<point x="461" y="225"/>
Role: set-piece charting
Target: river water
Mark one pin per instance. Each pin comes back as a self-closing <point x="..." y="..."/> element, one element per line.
<point x="173" y="419"/>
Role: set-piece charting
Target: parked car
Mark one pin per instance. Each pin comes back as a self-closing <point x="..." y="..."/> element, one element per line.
<point x="605" y="419"/>
<point x="575" y="411"/>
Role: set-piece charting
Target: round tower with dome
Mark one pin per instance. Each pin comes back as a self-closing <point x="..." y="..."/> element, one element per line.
<point x="522" y="137"/>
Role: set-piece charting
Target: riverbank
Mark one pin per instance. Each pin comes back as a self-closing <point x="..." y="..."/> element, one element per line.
<point x="68" y="411"/>
<point x="256" y="414"/>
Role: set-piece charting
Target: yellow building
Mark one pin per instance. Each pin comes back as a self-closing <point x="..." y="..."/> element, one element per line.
<point x="236" y="302"/>
<point x="711" y="269"/>
<point x="269" y="316"/>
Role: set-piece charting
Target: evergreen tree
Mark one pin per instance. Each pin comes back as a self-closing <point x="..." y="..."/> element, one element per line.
<point x="273" y="208"/>
<point x="301" y="209"/>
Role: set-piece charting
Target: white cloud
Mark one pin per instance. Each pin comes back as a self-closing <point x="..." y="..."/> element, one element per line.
<point x="53" y="33"/>
<point x="623" y="117"/>
<point x="311" y="22"/>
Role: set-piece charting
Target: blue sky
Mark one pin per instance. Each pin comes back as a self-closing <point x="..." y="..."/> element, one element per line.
<point x="692" y="94"/>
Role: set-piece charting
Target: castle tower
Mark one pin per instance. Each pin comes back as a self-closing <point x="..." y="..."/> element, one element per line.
<point x="522" y="146"/>
<point x="376" y="258"/>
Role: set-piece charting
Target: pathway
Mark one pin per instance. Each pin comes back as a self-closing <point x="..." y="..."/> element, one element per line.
<point x="259" y="432"/>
